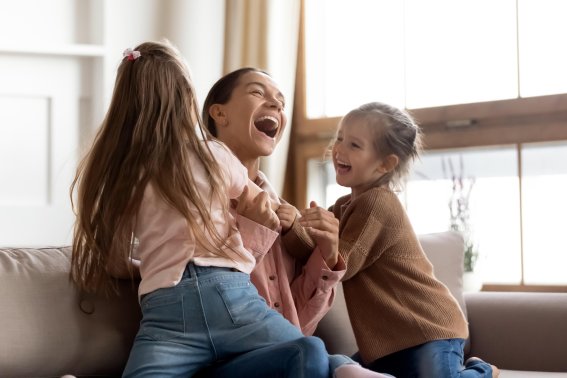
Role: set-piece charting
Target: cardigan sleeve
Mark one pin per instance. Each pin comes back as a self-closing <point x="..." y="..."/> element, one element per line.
<point x="365" y="234"/>
<point x="298" y="242"/>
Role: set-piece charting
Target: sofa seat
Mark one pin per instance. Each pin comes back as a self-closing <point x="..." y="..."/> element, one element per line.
<point x="524" y="334"/>
<point x="50" y="329"/>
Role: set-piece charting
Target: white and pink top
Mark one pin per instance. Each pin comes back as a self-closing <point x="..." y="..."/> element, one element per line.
<point x="166" y="244"/>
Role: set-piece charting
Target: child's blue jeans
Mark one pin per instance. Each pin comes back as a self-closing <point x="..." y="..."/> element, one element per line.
<point x="435" y="359"/>
<point x="215" y="314"/>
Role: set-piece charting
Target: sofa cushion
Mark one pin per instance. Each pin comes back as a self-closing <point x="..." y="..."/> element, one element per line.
<point x="49" y="329"/>
<point x="445" y="250"/>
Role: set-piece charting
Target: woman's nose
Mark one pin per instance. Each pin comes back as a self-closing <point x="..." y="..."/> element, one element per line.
<point x="275" y="103"/>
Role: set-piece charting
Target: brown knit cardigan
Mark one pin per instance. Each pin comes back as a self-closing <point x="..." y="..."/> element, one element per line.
<point x="393" y="298"/>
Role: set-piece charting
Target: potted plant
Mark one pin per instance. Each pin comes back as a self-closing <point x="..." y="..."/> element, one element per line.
<point x="459" y="219"/>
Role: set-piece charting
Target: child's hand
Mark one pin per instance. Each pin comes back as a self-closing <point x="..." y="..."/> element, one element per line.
<point x="286" y="213"/>
<point x="257" y="209"/>
<point x="324" y="229"/>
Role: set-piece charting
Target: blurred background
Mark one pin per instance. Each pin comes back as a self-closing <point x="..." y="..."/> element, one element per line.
<point x="485" y="80"/>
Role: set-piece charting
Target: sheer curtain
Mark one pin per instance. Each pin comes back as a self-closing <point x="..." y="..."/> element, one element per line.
<point x="264" y="34"/>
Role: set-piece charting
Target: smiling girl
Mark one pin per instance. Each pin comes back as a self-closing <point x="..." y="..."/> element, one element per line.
<point x="405" y="321"/>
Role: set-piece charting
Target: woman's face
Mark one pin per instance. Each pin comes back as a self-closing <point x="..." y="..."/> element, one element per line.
<point x="251" y="123"/>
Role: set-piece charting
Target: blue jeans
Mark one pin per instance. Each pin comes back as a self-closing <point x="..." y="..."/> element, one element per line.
<point x="216" y="314"/>
<point x="435" y="359"/>
<point x="274" y="362"/>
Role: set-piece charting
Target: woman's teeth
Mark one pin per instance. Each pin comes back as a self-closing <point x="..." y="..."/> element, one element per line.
<point x="268" y="125"/>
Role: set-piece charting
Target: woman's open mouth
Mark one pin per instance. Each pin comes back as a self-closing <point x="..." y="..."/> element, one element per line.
<point x="268" y="125"/>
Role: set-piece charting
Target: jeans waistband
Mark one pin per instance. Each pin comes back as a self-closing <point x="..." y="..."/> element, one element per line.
<point x="192" y="270"/>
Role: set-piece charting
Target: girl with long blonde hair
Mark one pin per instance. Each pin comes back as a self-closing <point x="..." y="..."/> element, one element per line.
<point x="152" y="199"/>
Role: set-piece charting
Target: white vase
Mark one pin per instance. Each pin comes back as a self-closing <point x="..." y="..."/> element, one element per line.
<point x="472" y="281"/>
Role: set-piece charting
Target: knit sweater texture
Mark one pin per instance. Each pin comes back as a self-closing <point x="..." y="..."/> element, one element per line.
<point x="393" y="299"/>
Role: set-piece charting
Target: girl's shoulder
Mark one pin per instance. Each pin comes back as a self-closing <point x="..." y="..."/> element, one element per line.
<point x="378" y="196"/>
<point x="221" y="152"/>
<point x="382" y="203"/>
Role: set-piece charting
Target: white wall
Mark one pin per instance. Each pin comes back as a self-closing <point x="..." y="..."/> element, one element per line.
<point x="58" y="60"/>
<point x="196" y="27"/>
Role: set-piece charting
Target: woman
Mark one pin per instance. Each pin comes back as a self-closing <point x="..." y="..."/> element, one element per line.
<point x="245" y="110"/>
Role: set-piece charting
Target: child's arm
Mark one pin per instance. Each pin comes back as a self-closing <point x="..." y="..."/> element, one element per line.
<point x="295" y="237"/>
<point x="366" y="232"/>
<point x="254" y="204"/>
<point x="323" y="227"/>
<point x="286" y="214"/>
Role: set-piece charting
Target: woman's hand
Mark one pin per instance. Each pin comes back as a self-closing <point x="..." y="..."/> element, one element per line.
<point x="257" y="209"/>
<point x="324" y="229"/>
<point x="286" y="214"/>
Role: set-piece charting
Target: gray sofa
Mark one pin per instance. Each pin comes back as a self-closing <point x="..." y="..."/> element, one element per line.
<point x="49" y="329"/>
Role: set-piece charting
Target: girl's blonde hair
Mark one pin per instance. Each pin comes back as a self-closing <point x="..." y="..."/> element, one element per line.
<point x="396" y="133"/>
<point x="147" y="135"/>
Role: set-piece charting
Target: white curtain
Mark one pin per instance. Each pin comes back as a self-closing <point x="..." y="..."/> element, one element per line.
<point x="264" y="34"/>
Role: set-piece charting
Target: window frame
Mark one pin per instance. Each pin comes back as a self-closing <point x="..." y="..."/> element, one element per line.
<point x="513" y="121"/>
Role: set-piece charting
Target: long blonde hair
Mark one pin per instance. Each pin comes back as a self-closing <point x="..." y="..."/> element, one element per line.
<point x="147" y="135"/>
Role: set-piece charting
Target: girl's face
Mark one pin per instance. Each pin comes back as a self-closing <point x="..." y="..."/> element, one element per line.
<point x="251" y="123"/>
<point x="357" y="163"/>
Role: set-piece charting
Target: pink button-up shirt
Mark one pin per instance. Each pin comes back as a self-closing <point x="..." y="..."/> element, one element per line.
<point x="167" y="244"/>
<point x="302" y="294"/>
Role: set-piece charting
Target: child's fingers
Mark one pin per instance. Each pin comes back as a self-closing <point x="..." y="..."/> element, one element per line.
<point x="325" y="220"/>
<point x="285" y="211"/>
<point x="314" y="213"/>
<point x="316" y="233"/>
<point x="244" y="195"/>
<point x="319" y="224"/>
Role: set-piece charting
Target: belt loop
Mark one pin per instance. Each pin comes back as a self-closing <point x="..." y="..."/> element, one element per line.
<point x="189" y="271"/>
<point x="192" y="270"/>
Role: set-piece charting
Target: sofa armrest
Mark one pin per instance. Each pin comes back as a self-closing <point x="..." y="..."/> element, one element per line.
<point x="519" y="331"/>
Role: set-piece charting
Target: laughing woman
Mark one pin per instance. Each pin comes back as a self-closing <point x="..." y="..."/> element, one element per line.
<point x="245" y="110"/>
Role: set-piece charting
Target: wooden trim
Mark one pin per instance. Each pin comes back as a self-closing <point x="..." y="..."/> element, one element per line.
<point x="526" y="288"/>
<point x="503" y="122"/>
<point x="513" y="130"/>
<point x="502" y="109"/>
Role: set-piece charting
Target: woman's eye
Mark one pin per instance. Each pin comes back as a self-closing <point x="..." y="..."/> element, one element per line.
<point x="354" y="145"/>
<point x="257" y="92"/>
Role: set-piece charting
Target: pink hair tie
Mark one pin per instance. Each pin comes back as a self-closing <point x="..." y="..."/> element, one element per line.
<point x="131" y="54"/>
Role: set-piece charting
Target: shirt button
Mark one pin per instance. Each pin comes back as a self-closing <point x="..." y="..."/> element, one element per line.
<point x="272" y="277"/>
<point x="277" y="304"/>
<point x="325" y="278"/>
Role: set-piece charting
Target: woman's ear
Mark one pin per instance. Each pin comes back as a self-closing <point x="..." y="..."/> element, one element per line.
<point x="217" y="113"/>
<point x="389" y="163"/>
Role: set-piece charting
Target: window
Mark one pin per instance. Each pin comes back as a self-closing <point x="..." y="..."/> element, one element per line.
<point x="485" y="82"/>
<point x="489" y="178"/>
<point x="418" y="54"/>
<point x="515" y="248"/>
<point x="544" y="205"/>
